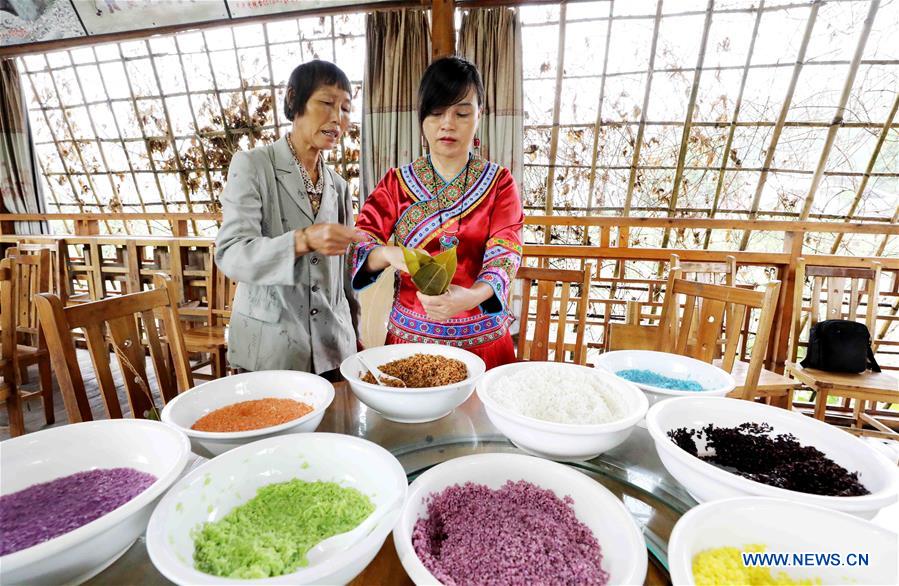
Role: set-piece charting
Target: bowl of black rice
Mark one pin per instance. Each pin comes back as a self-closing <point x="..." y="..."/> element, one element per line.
<point x="719" y="448"/>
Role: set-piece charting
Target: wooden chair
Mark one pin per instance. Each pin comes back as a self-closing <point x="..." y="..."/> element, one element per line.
<point x="57" y="249"/>
<point x="633" y="334"/>
<point x="710" y="303"/>
<point x="771" y="387"/>
<point x="8" y="313"/>
<point x="211" y="338"/>
<point x="546" y="281"/>
<point x="864" y="388"/>
<point x="119" y="316"/>
<point x="32" y="274"/>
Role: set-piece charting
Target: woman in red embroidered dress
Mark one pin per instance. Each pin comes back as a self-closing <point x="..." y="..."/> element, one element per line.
<point x="447" y="198"/>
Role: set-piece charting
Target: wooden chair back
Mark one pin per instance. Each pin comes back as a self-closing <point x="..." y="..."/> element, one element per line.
<point x="544" y="282"/>
<point x="8" y="319"/>
<point x="130" y="321"/>
<point x="716" y="273"/>
<point x="713" y="273"/>
<point x="8" y="312"/>
<point x="711" y="303"/>
<point x="58" y="280"/>
<point x="221" y="297"/>
<point x="836" y="283"/>
<point x="32" y="273"/>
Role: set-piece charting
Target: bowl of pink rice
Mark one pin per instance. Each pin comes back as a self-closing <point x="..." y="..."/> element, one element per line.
<point x="511" y="518"/>
<point x="74" y="498"/>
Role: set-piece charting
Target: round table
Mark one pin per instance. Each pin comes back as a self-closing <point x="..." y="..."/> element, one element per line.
<point x="632" y="471"/>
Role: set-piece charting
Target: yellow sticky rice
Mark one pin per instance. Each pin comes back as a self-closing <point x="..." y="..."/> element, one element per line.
<point x="723" y="566"/>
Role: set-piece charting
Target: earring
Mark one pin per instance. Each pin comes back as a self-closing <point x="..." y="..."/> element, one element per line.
<point x="477" y="146"/>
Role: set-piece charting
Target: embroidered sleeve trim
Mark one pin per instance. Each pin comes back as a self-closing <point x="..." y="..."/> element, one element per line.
<point x="358" y="256"/>
<point x="501" y="261"/>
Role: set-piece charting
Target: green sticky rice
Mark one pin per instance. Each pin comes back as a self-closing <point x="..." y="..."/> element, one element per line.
<point x="270" y="534"/>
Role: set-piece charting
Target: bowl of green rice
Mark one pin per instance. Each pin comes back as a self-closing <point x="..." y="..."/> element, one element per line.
<point x="253" y="513"/>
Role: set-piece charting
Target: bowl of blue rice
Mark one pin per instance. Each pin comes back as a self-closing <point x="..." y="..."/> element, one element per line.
<point x="661" y="375"/>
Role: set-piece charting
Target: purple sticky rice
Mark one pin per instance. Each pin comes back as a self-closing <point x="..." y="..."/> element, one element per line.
<point x="519" y="534"/>
<point x="44" y="511"/>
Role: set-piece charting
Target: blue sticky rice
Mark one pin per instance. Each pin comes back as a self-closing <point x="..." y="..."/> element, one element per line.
<point x="648" y="377"/>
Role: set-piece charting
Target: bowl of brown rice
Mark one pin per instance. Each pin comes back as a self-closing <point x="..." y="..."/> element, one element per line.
<point x="228" y="412"/>
<point x="438" y="379"/>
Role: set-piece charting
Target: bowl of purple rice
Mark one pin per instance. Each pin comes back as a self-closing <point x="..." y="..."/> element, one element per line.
<point x="516" y="519"/>
<point x="74" y="498"/>
<point x="722" y="448"/>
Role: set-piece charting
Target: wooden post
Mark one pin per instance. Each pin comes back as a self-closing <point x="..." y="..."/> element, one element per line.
<point x="87" y="227"/>
<point x="6" y="227"/>
<point x="783" y="318"/>
<point x="443" y="29"/>
<point x="179" y="228"/>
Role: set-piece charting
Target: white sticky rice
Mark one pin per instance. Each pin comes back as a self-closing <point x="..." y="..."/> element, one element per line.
<point x="560" y="395"/>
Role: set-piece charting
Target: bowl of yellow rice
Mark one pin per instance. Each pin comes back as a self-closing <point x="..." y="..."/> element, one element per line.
<point x="758" y="540"/>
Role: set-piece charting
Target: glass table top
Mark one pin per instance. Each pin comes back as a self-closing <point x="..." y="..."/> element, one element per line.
<point x="632" y="471"/>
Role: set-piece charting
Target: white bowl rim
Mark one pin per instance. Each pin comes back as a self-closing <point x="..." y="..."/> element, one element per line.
<point x="526" y="460"/>
<point x="740" y="483"/>
<point x="731" y="385"/>
<point x="60" y="543"/>
<point x="690" y="522"/>
<point x="166" y="415"/>
<point x="566" y="428"/>
<point x="185" y="571"/>
<point x="351" y="377"/>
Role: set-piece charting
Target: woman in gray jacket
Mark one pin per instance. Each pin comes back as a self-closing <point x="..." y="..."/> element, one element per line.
<point x="287" y="222"/>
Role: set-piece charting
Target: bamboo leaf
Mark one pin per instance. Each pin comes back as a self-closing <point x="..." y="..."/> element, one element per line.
<point x="412" y="264"/>
<point x="431" y="279"/>
<point x="431" y="275"/>
<point x="448" y="259"/>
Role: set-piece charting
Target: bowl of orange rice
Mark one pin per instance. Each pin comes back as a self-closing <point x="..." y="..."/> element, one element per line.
<point x="225" y="413"/>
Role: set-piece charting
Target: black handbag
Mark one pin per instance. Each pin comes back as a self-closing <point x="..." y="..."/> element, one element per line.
<point x="839" y="345"/>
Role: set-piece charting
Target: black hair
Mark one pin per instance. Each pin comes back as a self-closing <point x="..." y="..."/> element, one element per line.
<point x="306" y="79"/>
<point x="446" y="82"/>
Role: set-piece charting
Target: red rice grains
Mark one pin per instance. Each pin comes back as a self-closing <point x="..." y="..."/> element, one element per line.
<point x="519" y="534"/>
<point x="423" y="370"/>
<point x="249" y="415"/>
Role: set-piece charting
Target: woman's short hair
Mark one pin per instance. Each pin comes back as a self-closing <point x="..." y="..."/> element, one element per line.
<point x="306" y="79"/>
<point x="446" y="82"/>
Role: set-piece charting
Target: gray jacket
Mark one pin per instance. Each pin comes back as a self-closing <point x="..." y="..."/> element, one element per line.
<point x="288" y="313"/>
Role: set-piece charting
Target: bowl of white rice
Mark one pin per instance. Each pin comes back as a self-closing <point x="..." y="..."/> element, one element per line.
<point x="560" y="411"/>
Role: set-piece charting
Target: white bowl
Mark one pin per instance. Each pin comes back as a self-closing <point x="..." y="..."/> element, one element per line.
<point x="707" y="482"/>
<point x="411" y="405"/>
<point x="185" y="409"/>
<point x="715" y="381"/>
<point x="212" y="490"/>
<point x="561" y="441"/>
<point x="623" y="550"/>
<point x="73" y="557"/>
<point x="786" y="527"/>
